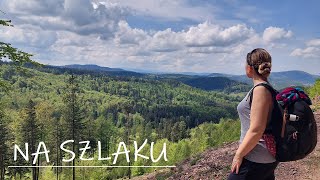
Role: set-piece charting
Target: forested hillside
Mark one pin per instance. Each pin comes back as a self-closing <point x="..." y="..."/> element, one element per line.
<point x="51" y="105"/>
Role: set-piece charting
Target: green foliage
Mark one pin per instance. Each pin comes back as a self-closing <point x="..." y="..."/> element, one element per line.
<point x="216" y="83"/>
<point x="314" y="91"/>
<point x="114" y="109"/>
<point x="5" y="22"/>
<point x="4" y="139"/>
<point x="30" y="133"/>
<point x="72" y="110"/>
<point x="16" y="56"/>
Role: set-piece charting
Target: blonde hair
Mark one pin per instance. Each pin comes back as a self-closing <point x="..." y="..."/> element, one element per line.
<point x="260" y="60"/>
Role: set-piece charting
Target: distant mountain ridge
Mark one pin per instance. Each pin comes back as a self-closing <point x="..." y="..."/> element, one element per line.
<point x="282" y="79"/>
<point x="92" y="67"/>
<point x="208" y="81"/>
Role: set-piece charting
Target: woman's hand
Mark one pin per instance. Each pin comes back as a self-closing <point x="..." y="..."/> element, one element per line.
<point x="236" y="163"/>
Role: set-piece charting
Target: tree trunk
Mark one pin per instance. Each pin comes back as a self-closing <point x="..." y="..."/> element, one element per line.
<point x="57" y="144"/>
<point x="73" y="148"/>
<point x="38" y="169"/>
<point x="2" y="167"/>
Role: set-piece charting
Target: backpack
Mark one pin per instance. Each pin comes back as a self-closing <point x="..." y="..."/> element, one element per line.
<point x="292" y="123"/>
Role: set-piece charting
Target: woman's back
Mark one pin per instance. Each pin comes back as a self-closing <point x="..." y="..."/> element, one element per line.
<point x="259" y="153"/>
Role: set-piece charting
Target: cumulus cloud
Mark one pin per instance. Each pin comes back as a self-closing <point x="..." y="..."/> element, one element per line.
<point x="157" y="50"/>
<point x="311" y="51"/>
<point x="32" y="35"/>
<point x="35" y="7"/>
<point x="204" y="37"/>
<point x="82" y="17"/>
<point x="207" y="50"/>
<point x="165" y="41"/>
<point x="99" y="32"/>
<point x="168" y="9"/>
<point x="313" y="42"/>
<point x="207" y="34"/>
<point x="128" y="35"/>
<point x="275" y="33"/>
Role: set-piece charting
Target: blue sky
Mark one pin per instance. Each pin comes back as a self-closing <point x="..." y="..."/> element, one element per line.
<point x="166" y="35"/>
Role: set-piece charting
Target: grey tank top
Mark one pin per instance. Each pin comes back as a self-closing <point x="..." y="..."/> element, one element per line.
<point x="259" y="153"/>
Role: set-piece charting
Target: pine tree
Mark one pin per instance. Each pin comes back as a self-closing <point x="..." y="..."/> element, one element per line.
<point x="31" y="133"/>
<point x="3" y="145"/>
<point x="175" y="132"/>
<point x="73" y="115"/>
<point x="49" y="121"/>
<point x="182" y="130"/>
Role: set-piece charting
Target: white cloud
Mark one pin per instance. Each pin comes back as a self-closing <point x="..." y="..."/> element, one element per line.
<point x="204" y="37"/>
<point x="275" y="33"/>
<point x="207" y="34"/>
<point x="165" y="50"/>
<point x="313" y="42"/>
<point x="172" y="10"/>
<point x="82" y="17"/>
<point x="33" y="36"/>
<point x="128" y="35"/>
<point x="35" y="7"/>
<point x="73" y="31"/>
<point x="207" y="50"/>
<point x="311" y="51"/>
<point x="164" y="41"/>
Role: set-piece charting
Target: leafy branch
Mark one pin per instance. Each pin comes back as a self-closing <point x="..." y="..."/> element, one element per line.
<point x="5" y="22"/>
<point x="16" y="56"/>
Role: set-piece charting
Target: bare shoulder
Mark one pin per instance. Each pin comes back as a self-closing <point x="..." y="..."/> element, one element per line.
<point x="262" y="96"/>
<point x="262" y="92"/>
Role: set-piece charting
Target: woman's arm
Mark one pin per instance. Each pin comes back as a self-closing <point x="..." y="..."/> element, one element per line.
<point x="260" y="108"/>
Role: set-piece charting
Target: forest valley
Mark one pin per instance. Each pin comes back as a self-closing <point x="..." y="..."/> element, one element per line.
<point x="42" y="150"/>
<point x="53" y="105"/>
<point x="46" y="106"/>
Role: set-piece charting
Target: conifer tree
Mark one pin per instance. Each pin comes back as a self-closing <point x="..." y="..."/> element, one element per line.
<point x="31" y="134"/>
<point x="73" y="115"/>
<point x="3" y="145"/>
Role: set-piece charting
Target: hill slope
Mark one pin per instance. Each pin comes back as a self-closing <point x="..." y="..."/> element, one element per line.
<point x="215" y="163"/>
<point x="95" y="69"/>
<point x="216" y="83"/>
<point x="92" y="67"/>
<point x="205" y="81"/>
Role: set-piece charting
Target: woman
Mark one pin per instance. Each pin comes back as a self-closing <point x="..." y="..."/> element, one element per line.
<point x="253" y="160"/>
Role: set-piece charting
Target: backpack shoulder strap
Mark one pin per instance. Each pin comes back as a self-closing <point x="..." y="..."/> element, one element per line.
<point x="266" y="85"/>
